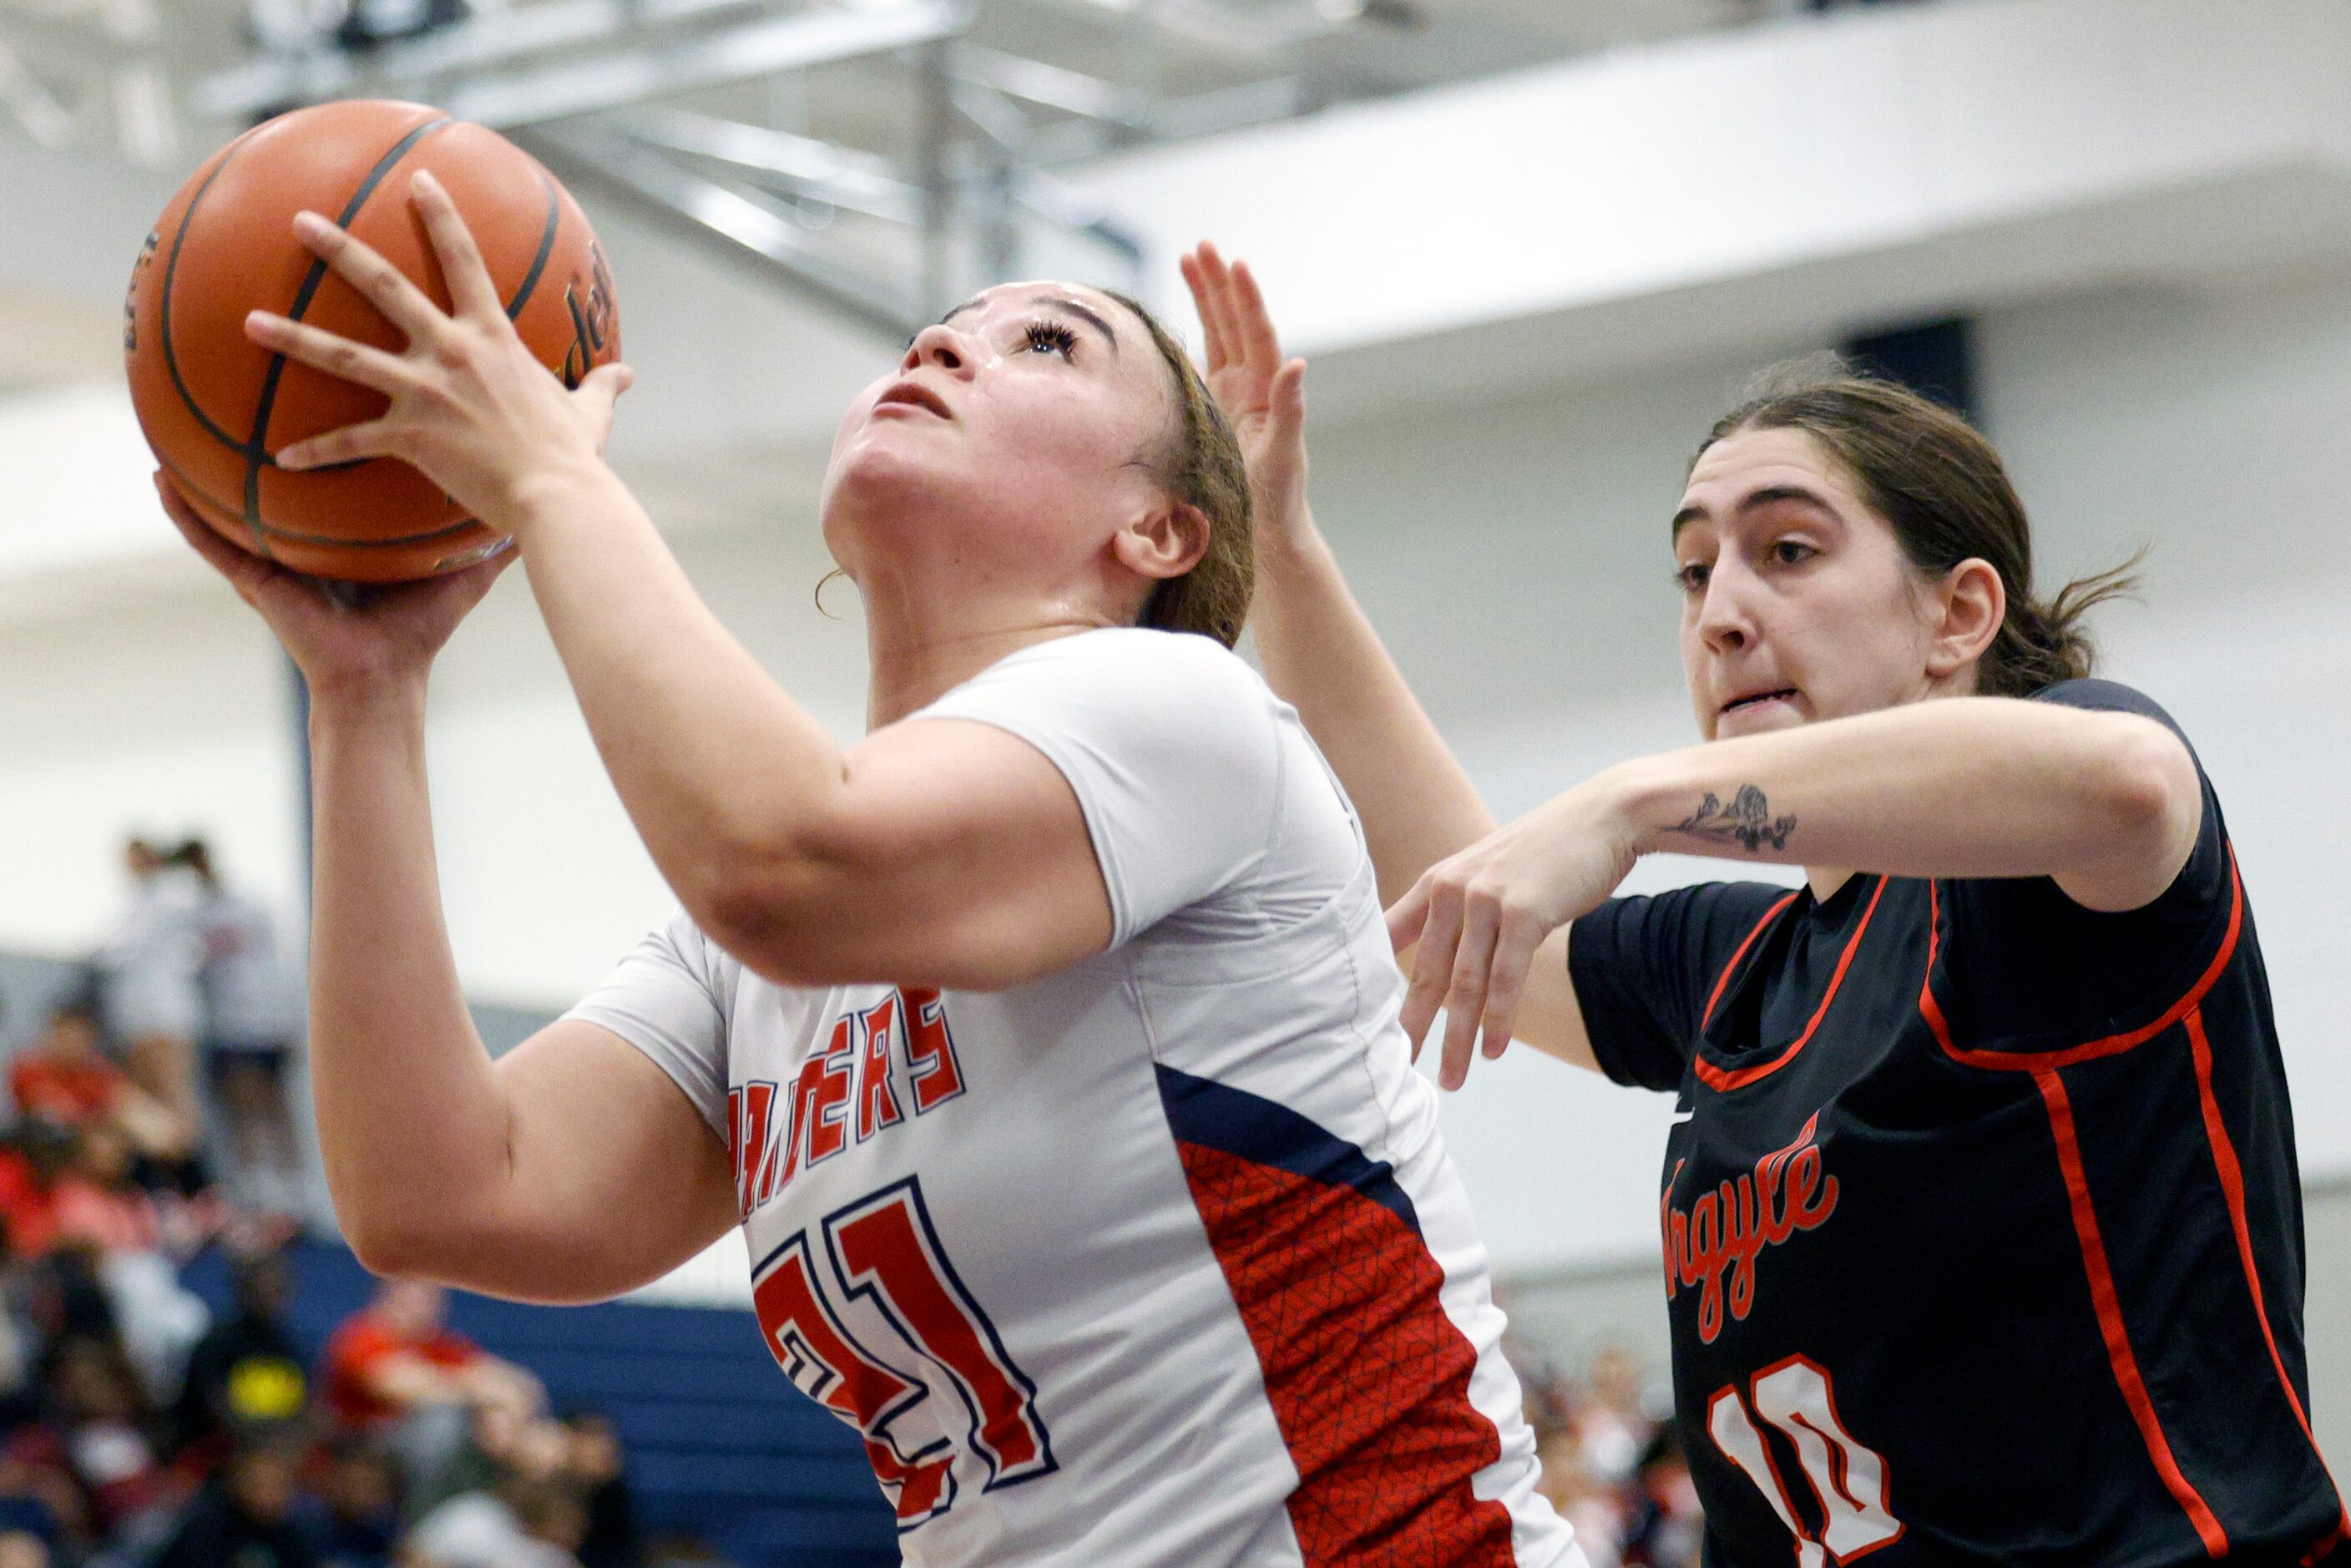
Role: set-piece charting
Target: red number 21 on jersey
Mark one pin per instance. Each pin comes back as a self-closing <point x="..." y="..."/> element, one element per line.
<point x="885" y="1251"/>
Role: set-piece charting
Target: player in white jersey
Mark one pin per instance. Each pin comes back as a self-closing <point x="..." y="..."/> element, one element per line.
<point x="1044" y="1042"/>
<point x="253" y="1025"/>
<point x="1176" y="1215"/>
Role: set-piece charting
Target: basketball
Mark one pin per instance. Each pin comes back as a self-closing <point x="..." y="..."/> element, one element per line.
<point x="216" y="407"/>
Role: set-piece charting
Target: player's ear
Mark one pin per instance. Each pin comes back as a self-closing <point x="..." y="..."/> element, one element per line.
<point x="1969" y="607"/>
<point x="1164" y="541"/>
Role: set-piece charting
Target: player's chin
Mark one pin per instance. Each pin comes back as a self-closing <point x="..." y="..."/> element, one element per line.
<point x="886" y="461"/>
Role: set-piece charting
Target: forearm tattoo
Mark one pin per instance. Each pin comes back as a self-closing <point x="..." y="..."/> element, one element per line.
<point x="1747" y="821"/>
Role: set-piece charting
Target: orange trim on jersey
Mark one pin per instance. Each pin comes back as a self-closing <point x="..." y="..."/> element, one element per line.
<point x="2110" y="1318"/>
<point x="2232" y="1185"/>
<point x="2328" y="1543"/>
<point x="1723" y="979"/>
<point x="1724" y="1079"/>
<point x="2090" y="1051"/>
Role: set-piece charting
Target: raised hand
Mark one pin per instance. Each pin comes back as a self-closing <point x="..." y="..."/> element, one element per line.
<point x="1263" y="395"/>
<point x="1478" y="917"/>
<point x="471" y="406"/>
<point x="382" y="634"/>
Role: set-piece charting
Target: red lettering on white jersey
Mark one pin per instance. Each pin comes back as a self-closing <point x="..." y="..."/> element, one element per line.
<point x="937" y="1076"/>
<point x="877" y="1103"/>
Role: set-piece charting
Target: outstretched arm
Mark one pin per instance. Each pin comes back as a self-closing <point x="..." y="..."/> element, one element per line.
<point x="2107" y="804"/>
<point x="1322" y="654"/>
<point x="1318" y="650"/>
<point x="569" y="1170"/>
<point x="934" y="854"/>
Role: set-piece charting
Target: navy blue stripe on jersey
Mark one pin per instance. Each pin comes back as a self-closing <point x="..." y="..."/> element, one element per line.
<point x="1251" y="1127"/>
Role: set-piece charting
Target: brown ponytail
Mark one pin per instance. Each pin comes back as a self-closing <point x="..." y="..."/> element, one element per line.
<point x="1201" y="466"/>
<point x="1942" y="486"/>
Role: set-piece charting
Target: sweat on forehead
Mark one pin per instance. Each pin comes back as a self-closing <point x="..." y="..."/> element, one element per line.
<point x="1066" y="298"/>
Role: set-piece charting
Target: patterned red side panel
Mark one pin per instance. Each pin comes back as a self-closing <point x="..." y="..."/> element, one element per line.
<point x="1369" y="1379"/>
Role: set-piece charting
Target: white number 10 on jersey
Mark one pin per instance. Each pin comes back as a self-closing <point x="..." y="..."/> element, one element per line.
<point x="1850" y="1480"/>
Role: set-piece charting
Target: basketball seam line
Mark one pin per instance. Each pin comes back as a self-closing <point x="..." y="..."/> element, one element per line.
<point x="522" y="298"/>
<point x="255" y="453"/>
<point x="546" y="249"/>
<point x="170" y="272"/>
<point x="187" y="486"/>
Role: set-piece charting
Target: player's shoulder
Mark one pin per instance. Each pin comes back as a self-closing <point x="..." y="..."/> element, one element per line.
<point x="1121" y="653"/>
<point x="680" y="945"/>
<point x="2093" y="694"/>
<point x="1148" y="685"/>
<point x="2100" y="695"/>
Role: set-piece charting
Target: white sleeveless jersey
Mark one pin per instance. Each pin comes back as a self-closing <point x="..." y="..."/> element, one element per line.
<point x="1159" y="1260"/>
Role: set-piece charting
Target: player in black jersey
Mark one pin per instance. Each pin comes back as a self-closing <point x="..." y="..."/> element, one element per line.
<point x="1983" y="1237"/>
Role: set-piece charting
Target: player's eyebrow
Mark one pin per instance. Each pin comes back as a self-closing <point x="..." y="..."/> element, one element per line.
<point x="1055" y="302"/>
<point x="1768" y="495"/>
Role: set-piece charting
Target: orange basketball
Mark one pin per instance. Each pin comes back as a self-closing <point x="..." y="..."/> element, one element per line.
<point x="216" y="406"/>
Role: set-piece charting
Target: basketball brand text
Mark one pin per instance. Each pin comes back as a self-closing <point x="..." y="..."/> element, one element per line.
<point x="592" y="326"/>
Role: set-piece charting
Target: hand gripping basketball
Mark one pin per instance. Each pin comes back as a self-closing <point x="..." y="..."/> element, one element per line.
<point x="366" y="638"/>
<point x="471" y="406"/>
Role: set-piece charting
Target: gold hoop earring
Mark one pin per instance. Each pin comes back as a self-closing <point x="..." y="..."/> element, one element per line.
<point x="818" y="594"/>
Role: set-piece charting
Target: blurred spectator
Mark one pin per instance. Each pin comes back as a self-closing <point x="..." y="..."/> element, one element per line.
<point x="100" y="1206"/>
<point x="254" y="1010"/>
<point x="1668" y="1528"/>
<point x="246" y="1371"/>
<point x="355" y="1520"/>
<point x="22" y="1548"/>
<point x="28" y="1520"/>
<point x="499" y="1441"/>
<point x="65" y="1078"/>
<point x="1610" y="1469"/>
<point x="1611" y="1427"/>
<point x="61" y="1075"/>
<point x="397" y="1356"/>
<point x="395" y="1371"/>
<point x="244" y="1518"/>
<point x="525" y="1523"/>
<point x="95" y="1438"/>
<point x="1595" y="1511"/>
<point x="150" y="967"/>
<point x="595" y="1464"/>
<point x="35" y="1160"/>
<point x="20" y="1338"/>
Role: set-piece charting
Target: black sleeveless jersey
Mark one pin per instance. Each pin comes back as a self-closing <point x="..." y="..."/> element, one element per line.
<point x="1983" y="1226"/>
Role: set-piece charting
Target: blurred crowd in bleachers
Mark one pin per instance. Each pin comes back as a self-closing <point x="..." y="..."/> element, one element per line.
<point x="141" y="1428"/>
<point x="153" y="1124"/>
<point x="1611" y="1460"/>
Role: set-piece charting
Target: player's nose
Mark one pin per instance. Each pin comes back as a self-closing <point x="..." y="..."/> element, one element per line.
<point x="941" y="347"/>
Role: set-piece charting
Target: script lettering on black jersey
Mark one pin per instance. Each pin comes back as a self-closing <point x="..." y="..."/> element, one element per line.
<point x="879" y="1066"/>
<point x="1712" y="1243"/>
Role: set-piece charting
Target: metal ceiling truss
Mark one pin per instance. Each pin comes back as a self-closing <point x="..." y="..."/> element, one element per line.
<point x="643" y="101"/>
<point x="887" y="239"/>
<point x="75" y="70"/>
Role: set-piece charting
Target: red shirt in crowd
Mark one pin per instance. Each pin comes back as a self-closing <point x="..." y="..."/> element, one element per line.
<point x="365" y="1342"/>
<point x="66" y="1092"/>
<point x="28" y="1208"/>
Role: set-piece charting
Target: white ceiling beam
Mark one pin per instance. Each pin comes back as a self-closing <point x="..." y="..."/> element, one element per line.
<point x="628" y="53"/>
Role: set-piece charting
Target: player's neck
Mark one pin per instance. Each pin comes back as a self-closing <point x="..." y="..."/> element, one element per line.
<point x="914" y="666"/>
<point x="1824" y="881"/>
